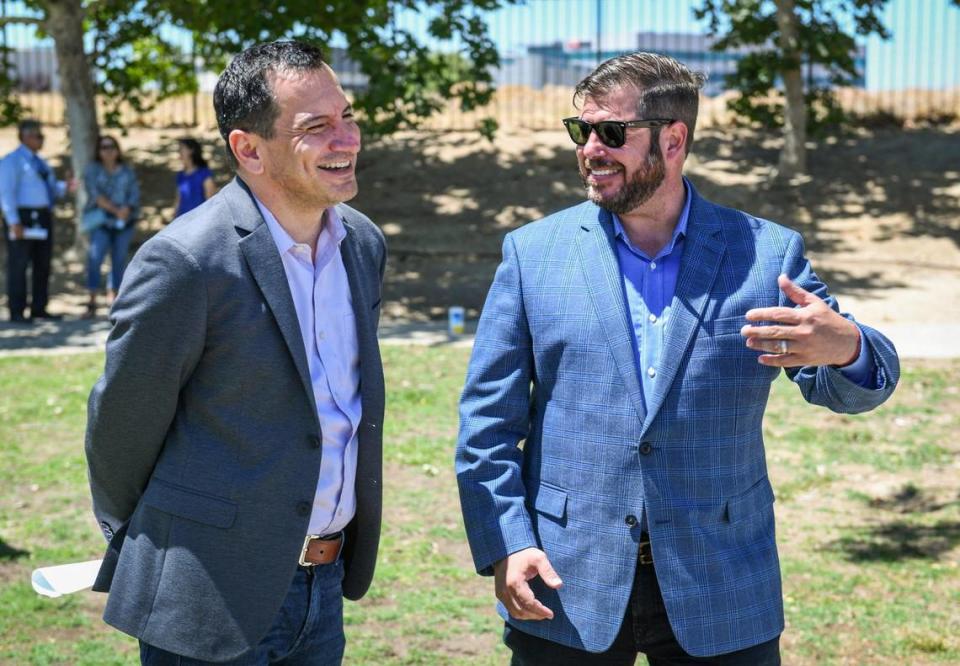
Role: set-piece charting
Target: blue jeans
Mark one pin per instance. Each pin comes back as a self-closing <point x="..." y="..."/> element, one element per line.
<point x="308" y="630"/>
<point x="102" y="241"/>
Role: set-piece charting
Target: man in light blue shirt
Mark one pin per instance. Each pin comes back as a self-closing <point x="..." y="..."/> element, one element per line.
<point x="28" y="190"/>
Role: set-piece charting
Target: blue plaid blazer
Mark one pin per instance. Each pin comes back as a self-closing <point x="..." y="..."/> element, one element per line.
<point x="553" y="367"/>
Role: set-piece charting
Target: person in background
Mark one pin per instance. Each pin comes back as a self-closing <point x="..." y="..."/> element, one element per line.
<point x="195" y="183"/>
<point x="28" y="190"/>
<point x="112" y="187"/>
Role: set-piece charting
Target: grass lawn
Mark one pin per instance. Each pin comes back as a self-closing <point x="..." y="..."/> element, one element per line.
<point x="868" y="512"/>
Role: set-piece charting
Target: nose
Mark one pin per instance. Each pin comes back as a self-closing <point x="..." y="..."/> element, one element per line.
<point x="347" y="138"/>
<point x="593" y="147"/>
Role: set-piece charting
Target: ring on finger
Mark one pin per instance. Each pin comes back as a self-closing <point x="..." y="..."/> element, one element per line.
<point x="782" y="347"/>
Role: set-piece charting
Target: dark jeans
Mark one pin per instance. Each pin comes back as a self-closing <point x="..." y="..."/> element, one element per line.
<point x="308" y="630"/>
<point x="645" y="629"/>
<point x="24" y="253"/>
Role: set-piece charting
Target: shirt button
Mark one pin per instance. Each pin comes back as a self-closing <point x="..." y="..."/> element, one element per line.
<point x="646" y="448"/>
<point x="651" y="372"/>
<point x="652" y="318"/>
<point x="303" y="508"/>
<point x="630" y="520"/>
<point x="321" y="335"/>
<point x="653" y="265"/>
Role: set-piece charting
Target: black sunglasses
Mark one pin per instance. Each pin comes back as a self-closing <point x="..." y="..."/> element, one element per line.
<point x="612" y="133"/>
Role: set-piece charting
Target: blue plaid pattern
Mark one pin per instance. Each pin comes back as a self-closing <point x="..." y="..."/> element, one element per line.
<point x="556" y="448"/>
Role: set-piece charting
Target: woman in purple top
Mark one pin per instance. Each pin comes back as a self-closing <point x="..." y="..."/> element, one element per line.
<point x="195" y="183"/>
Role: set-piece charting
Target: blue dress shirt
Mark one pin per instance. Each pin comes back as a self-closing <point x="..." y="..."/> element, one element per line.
<point x="649" y="284"/>
<point x="23" y="185"/>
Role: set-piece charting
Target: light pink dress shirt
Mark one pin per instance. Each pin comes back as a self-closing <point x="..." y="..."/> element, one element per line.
<point x="321" y="296"/>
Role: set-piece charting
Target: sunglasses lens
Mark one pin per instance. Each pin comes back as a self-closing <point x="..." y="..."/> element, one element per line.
<point x="578" y="130"/>
<point x="612" y="134"/>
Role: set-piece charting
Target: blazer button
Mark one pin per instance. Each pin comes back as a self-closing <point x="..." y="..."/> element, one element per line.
<point x="107" y="530"/>
<point x="303" y="508"/>
<point x="645" y="448"/>
<point x="630" y="520"/>
<point x="314" y="441"/>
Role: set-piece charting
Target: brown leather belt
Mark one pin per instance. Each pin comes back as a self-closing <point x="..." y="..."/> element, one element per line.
<point x="320" y="549"/>
<point x="646" y="553"/>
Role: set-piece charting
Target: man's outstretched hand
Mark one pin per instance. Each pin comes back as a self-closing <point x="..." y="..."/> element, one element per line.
<point x="812" y="334"/>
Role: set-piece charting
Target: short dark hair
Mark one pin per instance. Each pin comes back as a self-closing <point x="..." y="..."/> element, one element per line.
<point x="28" y="125"/>
<point x="243" y="97"/>
<point x="665" y="88"/>
<point x="112" y="139"/>
<point x="196" y="151"/>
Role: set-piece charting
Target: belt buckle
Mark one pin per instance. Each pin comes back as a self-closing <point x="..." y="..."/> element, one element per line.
<point x="303" y="551"/>
<point x="646" y="553"/>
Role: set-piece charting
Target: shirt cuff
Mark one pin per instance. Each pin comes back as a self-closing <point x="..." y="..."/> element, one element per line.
<point x="861" y="370"/>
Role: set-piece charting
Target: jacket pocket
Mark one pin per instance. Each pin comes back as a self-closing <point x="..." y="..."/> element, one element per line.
<point x="723" y="325"/>
<point x="551" y="501"/>
<point x="746" y="504"/>
<point x="190" y="504"/>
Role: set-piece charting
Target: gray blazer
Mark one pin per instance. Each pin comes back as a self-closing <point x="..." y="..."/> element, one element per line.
<point x="203" y="442"/>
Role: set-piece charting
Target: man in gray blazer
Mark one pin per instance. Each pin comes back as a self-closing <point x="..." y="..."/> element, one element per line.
<point x="234" y="440"/>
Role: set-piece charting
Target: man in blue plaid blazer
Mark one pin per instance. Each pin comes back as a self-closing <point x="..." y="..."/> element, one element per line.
<point x="610" y="459"/>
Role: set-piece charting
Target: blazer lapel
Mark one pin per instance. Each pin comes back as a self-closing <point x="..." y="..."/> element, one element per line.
<point x="596" y="247"/>
<point x="703" y="250"/>
<point x="260" y="252"/>
<point x="362" y="307"/>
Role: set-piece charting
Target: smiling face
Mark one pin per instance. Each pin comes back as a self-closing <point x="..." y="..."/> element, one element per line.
<point x="619" y="179"/>
<point x="311" y="158"/>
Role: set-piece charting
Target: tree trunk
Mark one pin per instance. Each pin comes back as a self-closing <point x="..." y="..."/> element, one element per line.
<point x="64" y="22"/>
<point x="793" y="156"/>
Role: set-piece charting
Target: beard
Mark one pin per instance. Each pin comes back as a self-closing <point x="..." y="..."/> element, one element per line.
<point x="636" y="191"/>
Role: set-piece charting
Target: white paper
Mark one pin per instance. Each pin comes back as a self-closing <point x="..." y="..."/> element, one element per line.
<point x="65" y="578"/>
<point x="35" y="233"/>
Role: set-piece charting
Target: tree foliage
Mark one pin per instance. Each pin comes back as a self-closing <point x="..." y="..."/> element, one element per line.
<point x="10" y="108"/>
<point x="826" y="41"/>
<point x="137" y="60"/>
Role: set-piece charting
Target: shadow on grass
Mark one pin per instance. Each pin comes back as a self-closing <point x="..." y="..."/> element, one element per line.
<point x="909" y="499"/>
<point x="900" y="540"/>
<point x="904" y="180"/>
<point x="8" y="552"/>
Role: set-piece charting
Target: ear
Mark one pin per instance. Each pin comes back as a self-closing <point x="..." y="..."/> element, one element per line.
<point x="246" y="150"/>
<point x="673" y="139"/>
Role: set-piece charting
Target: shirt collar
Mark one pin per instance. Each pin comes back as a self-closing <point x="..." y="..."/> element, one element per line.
<point x="678" y="233"/>
<point x="331" y="230"/>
